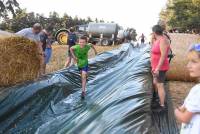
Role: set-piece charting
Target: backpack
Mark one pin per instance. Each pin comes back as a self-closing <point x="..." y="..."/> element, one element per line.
<point x="170" y="54"/>
<point x="71" y="39"/>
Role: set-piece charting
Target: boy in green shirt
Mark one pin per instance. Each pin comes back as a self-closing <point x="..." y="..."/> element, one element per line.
<point x="80" y="55"/>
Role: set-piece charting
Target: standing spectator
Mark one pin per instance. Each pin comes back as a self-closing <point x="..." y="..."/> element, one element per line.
<point x="44" y="34"/>
<point x="189" y="113"/>
<point x="159" y="62"/>
<point x="142" y="37"/>
<point x="48" y="50"/>
<point x="43" y="37"/>
<point x="72" y="39"/>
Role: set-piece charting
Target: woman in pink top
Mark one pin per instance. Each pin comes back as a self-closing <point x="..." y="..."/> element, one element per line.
<point x="159" y="62"/>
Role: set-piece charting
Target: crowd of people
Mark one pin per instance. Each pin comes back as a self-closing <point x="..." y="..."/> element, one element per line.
<point x="188" y="113"/>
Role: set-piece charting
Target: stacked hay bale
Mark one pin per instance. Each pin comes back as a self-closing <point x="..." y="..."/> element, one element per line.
<point x="19" y="59"/>
<point x="180" y="45"/>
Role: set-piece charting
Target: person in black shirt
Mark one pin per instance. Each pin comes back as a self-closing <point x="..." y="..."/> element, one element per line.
<point x="43" y="39"/>
<point x="72" y="38"/>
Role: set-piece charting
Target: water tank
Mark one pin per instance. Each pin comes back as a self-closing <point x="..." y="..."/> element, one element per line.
<point x="107" y="29"/>
<point x="120" y="34"/>
<point x="123" y="34"/>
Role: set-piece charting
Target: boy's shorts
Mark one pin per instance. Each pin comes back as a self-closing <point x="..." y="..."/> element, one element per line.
<point x="85" y="68"/>
<point x="161" y="77"/>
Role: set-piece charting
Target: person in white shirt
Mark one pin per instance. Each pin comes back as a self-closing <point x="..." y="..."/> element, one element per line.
<point x="31" y="33"/>
<point x="189" y="112"/>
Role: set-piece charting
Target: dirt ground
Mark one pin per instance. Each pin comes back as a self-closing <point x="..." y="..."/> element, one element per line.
<point x="178" y="90"/>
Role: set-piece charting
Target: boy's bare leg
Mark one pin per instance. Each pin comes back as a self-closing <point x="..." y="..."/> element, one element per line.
<point x="84" y="80"/>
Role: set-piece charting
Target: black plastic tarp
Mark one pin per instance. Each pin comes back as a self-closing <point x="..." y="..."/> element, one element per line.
<point x="118" y="100"/>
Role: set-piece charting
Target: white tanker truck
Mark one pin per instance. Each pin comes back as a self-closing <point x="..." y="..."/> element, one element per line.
<point x="101" y="33"/>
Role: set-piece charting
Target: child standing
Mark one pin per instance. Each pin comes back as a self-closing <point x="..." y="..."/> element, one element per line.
<point x="80" y="55"/>
<point x="48" y="51"/>
<point x="189" y="112"/>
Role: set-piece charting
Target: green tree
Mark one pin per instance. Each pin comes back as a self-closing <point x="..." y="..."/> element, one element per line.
<point x="181" y="14"/>
<point x="8" y="6"/>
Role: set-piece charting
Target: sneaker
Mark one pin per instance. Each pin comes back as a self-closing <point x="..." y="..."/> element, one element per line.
<point x="83" y="95"/>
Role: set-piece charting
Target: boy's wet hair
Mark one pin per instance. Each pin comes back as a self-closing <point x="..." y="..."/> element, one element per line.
<point x="158" y="29"/>
<point x="83" y="38"/>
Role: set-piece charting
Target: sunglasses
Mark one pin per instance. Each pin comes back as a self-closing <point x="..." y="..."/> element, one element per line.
<point x="195" y="47"/>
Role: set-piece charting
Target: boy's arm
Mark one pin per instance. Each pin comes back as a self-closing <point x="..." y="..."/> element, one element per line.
<point x="92" y="46"/>
<point x="73" y="55"/>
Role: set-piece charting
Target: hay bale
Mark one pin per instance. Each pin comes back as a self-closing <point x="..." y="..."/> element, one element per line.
<point x="19" y="59"/>
<point x="180" y="45"/>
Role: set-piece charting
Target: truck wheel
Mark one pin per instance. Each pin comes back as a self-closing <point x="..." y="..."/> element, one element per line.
<point x="105" y="42"/>
<point x="62" y="36"/>
<point x="111" y="42"/>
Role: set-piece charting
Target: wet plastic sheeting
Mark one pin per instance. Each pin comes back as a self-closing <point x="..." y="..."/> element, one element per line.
<point x="119" y="94"/>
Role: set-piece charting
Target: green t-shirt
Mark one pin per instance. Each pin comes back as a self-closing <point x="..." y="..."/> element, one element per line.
<point x="82" y="54"/>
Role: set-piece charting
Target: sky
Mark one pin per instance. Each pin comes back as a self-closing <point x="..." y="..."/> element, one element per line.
<point x="138" y="14"/>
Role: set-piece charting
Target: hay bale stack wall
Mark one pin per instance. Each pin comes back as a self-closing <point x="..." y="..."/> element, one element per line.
<point x="19" y="59"/>
<point x="180" y="45"/>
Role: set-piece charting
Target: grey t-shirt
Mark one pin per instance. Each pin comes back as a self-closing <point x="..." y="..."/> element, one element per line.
<point x="28" y="33"/>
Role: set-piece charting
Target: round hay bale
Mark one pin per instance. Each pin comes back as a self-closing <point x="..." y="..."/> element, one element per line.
<point x="19" y="59"/>
<point x="180" y="44"/>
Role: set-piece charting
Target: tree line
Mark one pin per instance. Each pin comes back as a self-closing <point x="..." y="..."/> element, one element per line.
<point x="13" y="18"/>
<point x="181" y="15"/>
<point x="23" y="19"/>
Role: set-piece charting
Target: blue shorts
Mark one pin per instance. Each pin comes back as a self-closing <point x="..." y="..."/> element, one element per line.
<point x="85" y="68"/>
<point x="48" y="52"/>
